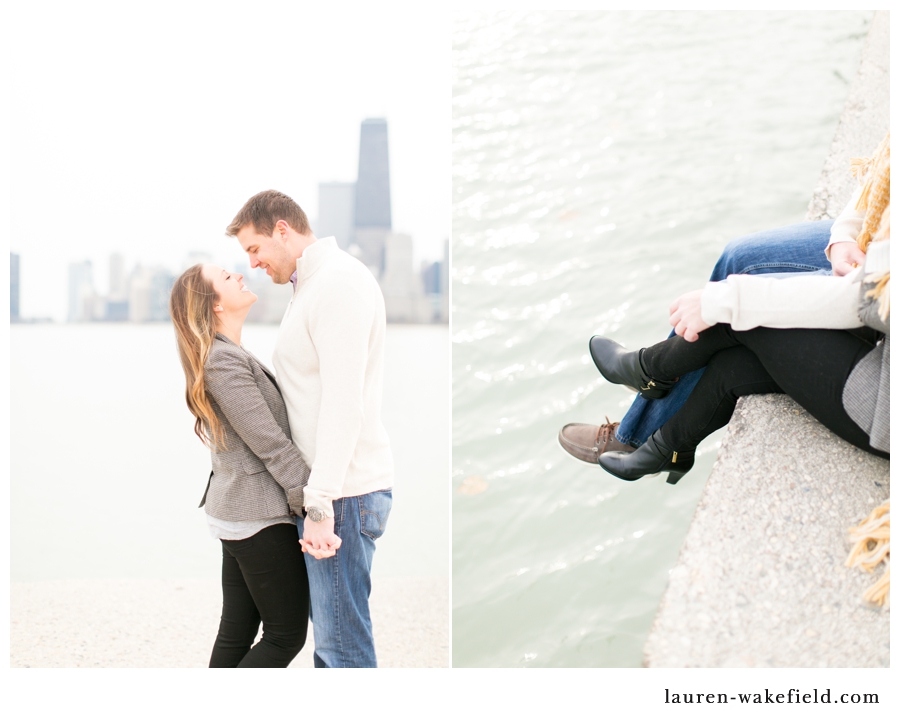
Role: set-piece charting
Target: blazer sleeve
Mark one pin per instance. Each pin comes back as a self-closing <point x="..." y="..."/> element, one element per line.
<point x="231" y="383"/>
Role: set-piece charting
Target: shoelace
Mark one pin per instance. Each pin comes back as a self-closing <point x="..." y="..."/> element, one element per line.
<point x="605" y="432"/>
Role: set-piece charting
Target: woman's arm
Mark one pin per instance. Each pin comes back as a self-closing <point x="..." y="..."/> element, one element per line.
<point x="230" y="382"/>
<point x="814" y="301"/>
<point x="748" y="301"/>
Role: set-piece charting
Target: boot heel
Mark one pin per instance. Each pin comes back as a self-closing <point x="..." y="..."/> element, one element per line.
<point x="685" y="466"/>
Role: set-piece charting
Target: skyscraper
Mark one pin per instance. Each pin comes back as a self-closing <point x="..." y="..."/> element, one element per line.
<point x="118" y="282"/>
<point x="117" y="301"/>
<point x="373" y="192"/>
<point x="149" y="290"/>
<point x="337" y="209"/>
<point x="13" y="287"/>
<point x="399" y="279"/>
<point x="81" y="291"/>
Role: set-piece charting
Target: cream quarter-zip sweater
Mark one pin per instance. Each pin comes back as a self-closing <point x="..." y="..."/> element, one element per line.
<point x="329" y="361"/>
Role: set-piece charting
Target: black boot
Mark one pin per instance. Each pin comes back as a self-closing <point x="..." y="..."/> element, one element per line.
<point x="620" y="366"/>
<point x="651" y="457"/>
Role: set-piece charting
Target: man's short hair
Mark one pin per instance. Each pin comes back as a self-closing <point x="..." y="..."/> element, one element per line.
<point x="266" y="208"/>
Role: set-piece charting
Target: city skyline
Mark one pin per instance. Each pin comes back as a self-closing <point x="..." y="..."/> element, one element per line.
<point x="419" y="297"/>
<point x="359" y="211"/>
<point x="149" y="163"/>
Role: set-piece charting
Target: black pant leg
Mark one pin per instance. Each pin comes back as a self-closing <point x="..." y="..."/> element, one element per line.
<point x="731" y="373"/>
<point x="240" y="617"/>
<point x="675" y="356"/>
<point x="269" y="584"/>
<point x="275" y="573"/>
<point x="810" y="365"/>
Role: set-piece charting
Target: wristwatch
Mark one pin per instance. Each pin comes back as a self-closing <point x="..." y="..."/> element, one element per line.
<point x="315" y="514"/>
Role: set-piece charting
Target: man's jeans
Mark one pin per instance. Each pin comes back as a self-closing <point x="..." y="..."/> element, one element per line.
<point x="792" y="249"/>
<point x="339" y="586"/>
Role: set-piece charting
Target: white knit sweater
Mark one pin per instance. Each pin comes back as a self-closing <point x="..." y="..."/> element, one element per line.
<point x="329" y="361"/>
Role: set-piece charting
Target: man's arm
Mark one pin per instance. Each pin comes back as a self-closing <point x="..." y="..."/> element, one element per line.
<point x="340" y="329"/>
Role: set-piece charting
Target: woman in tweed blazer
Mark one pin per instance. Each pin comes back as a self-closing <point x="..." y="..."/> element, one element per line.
<point x="256" y="486"/>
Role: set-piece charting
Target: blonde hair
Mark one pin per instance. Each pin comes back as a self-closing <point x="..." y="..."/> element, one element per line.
<point x="874" y="174"/>
<point x="871" y="547"/>
<point x="191" y="306"/>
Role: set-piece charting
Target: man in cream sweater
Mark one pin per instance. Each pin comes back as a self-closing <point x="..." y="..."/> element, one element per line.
<point x="329" y="363"/>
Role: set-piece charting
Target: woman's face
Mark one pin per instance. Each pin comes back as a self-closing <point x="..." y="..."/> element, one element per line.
<point x="229" y="286"/>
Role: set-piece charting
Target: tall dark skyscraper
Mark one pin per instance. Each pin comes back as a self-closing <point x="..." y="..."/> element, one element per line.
<point x="373" y="183"/>
<point x="373" y="192"/>
<point x="13" y="287"/>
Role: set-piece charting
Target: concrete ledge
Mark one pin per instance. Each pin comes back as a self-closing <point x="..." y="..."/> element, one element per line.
<point x="760" y="581"/>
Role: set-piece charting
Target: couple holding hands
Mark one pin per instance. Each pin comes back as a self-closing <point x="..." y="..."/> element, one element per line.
<point x="304" y="458"/>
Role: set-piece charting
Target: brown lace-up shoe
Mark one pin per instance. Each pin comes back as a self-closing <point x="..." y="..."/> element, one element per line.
<point x="588" y="441"/>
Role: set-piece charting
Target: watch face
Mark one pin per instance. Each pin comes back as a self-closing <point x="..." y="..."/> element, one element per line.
<point x="315" y="514"/>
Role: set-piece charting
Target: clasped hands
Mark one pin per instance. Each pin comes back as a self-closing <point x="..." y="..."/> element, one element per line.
<point x="319" y="539"/>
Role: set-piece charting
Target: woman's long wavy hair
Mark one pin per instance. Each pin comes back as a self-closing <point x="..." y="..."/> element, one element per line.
<point x="875" y="201"/>
<point x="191" y="306"/>
<point x="874" y="173"/>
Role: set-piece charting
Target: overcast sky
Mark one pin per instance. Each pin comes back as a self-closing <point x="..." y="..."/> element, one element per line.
<point x="143" y="129"/>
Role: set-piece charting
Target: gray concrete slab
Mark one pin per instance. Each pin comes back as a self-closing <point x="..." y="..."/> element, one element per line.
<point x="760" y="580"/>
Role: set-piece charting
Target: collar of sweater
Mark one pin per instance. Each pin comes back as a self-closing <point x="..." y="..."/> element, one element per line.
<point x="314" y="257"/>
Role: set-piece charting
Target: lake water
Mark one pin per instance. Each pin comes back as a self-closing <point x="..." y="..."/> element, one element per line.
<point x="601" y="163"/>
<point x="106" y="473"/>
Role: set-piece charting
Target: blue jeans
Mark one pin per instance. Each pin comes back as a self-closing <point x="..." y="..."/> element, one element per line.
<point x="788" y="250"/>
<point x="339" y="586"/>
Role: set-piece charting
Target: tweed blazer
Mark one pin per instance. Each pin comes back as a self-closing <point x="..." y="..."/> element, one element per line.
<point x="259" y="473"/>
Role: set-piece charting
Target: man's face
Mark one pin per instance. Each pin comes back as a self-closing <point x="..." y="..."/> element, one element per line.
<point x="270" y="253"/>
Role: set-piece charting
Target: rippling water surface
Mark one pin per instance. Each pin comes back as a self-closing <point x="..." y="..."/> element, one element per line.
<point x="601" y="163"/>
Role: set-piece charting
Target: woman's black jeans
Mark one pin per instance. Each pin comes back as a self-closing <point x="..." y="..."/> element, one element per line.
<point x="810" y="365"/>
<point x="263" y="578"/>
